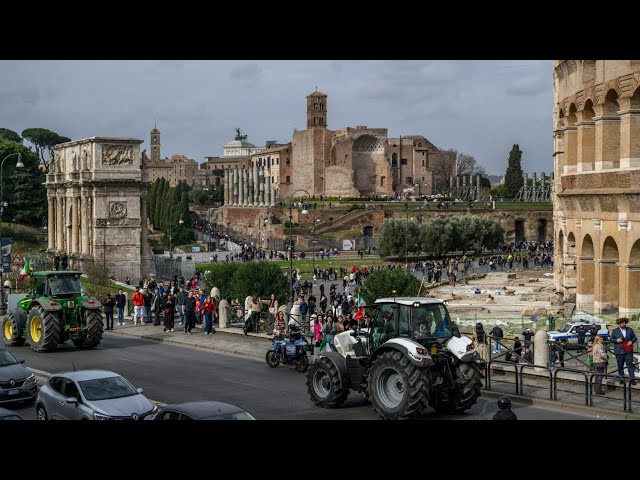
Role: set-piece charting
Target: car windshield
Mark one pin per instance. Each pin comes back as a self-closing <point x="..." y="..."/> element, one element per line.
<point x="565" y="328"/>
<point x="65" y="285"/>
<point x="231" y="416"/>
<point x="7" y="359"/>
<point x="105" y="388"/>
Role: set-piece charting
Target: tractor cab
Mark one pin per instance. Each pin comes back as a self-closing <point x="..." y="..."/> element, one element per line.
<point x="56" y="284"/>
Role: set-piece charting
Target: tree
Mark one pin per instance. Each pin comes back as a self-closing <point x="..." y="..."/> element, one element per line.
<point x="262" y="278"/>
<point x="468" y="165"/>
<point x="380" y="283"/>
<point x="448" y="162"/>
<point x="513" y="179"/>
<point x="43" y="140"/>
<point x="6" y="134"/>
<point x="500" y="191"/>
<point x="23" y="187"/>
<point x="220" y="275"/>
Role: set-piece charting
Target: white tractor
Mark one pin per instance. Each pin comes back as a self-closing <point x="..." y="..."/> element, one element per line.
<point x="408" y="355"/>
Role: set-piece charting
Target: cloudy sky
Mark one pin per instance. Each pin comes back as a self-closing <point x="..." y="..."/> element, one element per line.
<point x="478" y="107"/>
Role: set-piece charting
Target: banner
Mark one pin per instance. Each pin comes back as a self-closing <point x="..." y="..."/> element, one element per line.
<point x="348" y="244"/>
<point x="6" y="254"/>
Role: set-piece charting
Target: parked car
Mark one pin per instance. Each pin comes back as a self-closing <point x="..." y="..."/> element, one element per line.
<point x="9" y="415"/>
<point x="569" y="331"/>
<point x="203" y="411"/>
<point x="91" y="395"/>
<point x="17" y="383"/>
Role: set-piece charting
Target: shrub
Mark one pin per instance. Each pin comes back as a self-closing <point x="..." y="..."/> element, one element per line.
<point x="380" y="283"/>
<point x="219" y="275"/>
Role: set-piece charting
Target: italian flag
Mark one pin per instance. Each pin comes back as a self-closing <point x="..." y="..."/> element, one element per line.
<point x="360" y="300"/>
<point x="26" y="270"/>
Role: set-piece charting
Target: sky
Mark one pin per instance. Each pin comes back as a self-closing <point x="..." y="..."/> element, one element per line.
<point x="478" y="107"/>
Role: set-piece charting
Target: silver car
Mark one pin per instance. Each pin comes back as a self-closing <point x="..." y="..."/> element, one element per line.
<point x="91" y="395"/>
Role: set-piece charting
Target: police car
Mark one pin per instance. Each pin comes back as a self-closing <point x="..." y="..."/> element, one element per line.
<point x="569" y="332"/>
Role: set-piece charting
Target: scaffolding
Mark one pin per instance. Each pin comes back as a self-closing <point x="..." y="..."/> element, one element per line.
<point x="463" y="188"/>
<point x="538" y="191"/>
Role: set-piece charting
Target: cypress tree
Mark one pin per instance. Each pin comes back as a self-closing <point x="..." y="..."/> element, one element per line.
<point x="513" y="179"/>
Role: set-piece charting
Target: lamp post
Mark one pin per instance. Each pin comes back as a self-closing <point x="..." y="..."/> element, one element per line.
<point x="19" y="164"/>
<point x="304" y="212"/>
<point x="406" y="234"/>
<point x="313" y="263"/>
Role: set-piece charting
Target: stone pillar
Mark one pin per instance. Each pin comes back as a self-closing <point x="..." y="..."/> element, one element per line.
<point x="51" y="224"/>
<point x="144" y="232"/>
<point x="586" y="140"/>
<point x="525" y="177"/>
<point x="458" y="181"/>
<point x="451" y="180"/>
<point x="543" y="179"/>
<point x="478" y="185"/>
<point x="540" y="350"/>
<point x="225" y="185"/>
<point x="59" y="224"/>
<point x="267" y="186"/>
<point x="629" y="138"/>
<point x="251" y="189"/>
<point x="630" y="302"/>
<point x="570" y="150"/>
<point x="558" y="153"/>
<point x="84" y="225"/>
<point x="256" y="184"/>
<point x="260" y="187"/>
<point x="223" y="314"/>
<point x="585" y="284"/>
<point x="607" y="143"/>
<point x="246" y="187"/>
<point x="234" y="187"/>
<point x="75" y="226"/>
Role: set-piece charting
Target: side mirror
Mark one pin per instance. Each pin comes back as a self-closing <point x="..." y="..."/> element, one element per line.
<point x="73" y="400"/>
<point x="139" y="390"/>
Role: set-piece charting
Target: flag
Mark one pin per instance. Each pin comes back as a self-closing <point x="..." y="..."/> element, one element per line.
<point x="26" y="270"/>
<point x="359" y="314"/>
<point x="361" y="302"/>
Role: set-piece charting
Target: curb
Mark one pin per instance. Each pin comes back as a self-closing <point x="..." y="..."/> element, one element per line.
<point x="564" y="405"/>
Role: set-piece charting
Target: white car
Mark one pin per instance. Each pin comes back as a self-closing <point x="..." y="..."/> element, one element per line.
<point x="569" y="332"/>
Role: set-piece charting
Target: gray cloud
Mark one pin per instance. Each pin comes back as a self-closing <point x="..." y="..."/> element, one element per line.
<point x="477" y="107"/>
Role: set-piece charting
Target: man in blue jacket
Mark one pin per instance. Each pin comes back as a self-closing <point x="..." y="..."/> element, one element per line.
<point x="623" y="339"/>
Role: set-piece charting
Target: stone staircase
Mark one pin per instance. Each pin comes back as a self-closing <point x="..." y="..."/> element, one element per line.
<point x="340" y="222"/>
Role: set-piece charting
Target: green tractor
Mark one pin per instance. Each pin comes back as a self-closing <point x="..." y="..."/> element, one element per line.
<point x="55" y="311"/>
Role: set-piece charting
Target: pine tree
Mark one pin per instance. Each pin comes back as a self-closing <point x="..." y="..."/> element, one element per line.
<point x="513" y="179"/>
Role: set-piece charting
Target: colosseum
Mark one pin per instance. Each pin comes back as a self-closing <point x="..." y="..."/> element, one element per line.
<point x="596" y="130"/>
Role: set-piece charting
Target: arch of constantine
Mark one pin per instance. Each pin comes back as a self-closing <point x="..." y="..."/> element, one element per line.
<point x="596" y="123"/>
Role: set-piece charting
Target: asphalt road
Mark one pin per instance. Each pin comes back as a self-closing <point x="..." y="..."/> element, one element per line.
<point x="171" y="374"/>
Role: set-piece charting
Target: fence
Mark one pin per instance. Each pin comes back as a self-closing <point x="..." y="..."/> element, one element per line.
<point x="164" y="267"/>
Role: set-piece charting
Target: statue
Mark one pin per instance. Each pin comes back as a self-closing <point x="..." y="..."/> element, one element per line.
<point x="85" y="158"/>
<point x="74" y="159"/>
<point x="239" y="136"/>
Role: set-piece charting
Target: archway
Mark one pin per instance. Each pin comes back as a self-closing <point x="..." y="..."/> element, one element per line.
<point x="394" y="160"/>
<point x="367" y="235"/>
<point x="632" y="280"/>
<point x="610" y="130"/>
<point x="519" y="230"/>
<point x="542" y="230"/>
<point x="585" y="287"/>
<point x="609" y="285"/>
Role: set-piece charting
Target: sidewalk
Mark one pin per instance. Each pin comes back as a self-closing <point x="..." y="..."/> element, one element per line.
<point x="225" y="340"/>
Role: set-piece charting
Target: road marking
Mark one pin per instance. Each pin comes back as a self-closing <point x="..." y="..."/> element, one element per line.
<point x="243" y="383"/>
<point x="136" y="361"/>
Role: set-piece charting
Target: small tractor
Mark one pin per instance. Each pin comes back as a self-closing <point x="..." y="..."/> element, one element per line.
<point x="407" y="356"/>
<point x="54" y="311"/>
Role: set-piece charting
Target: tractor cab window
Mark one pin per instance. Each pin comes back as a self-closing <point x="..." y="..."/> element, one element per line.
<point x="385" y="325"/>
<point x="40" y="287"/>
<point x="65" y="285"/>
<point x="431" y="321"/>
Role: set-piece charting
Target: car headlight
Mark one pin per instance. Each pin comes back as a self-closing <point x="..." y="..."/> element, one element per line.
<point x="155" y="408"/>
<point x="99" y="416"/>
<point x="30" y="378"/>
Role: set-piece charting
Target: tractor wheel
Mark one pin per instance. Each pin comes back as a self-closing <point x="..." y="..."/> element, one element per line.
<point x="93" y="335"/>
<point x="302" y="363"/>
<point x="465" y="394"/>
<point x="43" y="329"/>
<point x="323" y="384"/>
<point x="397" y="388"/>
<point x="272" y="359"/>
<point x="12" y="331"/>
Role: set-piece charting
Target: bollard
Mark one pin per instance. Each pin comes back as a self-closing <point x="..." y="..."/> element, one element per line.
<point x="215" y="292"/>
<point x="540" y="350"/>
<point x="223" y="311"/>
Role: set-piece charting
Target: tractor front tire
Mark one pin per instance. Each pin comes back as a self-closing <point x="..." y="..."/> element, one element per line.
<point x="468" y="383"/>
<point x="323" y="384"/>
<point x="43" y="329"/>
<point x="12" y="330"/>
<point x="398" y="389"/>
<point x="95" y="328"/>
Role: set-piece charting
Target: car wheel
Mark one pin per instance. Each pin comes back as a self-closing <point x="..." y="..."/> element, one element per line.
<point x="41" y="413"/>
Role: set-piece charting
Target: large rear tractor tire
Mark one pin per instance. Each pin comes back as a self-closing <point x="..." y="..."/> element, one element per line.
<point x="398" y="389"/>
<point x="95" y="328"/>
<point x="12" y="329"/>
<point x="468" y="383"/>
<point x="323" y="384"/>
<point x="43" y="329"/>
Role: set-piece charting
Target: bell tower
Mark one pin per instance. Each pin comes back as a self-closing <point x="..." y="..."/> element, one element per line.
<point x="155" y="145"/>
<point x="317" y="109"/>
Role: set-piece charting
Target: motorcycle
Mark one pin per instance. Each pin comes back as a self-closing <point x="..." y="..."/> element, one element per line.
<point x="290" y="352"/>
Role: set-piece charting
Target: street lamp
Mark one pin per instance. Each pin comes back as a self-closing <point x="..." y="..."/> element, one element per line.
<point x="19" y="164"/>
<point x="304" y="212"/>
<point x="313" y="263"/>
<point x="406" y="234"/>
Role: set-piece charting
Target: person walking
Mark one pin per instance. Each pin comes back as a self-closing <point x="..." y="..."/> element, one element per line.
<point x="138" y="306"/>
<point x="207" y="310"/>
<point x="190" y="312"/>
<point x="599" y="363"/>
<point x="623" y="339"/>
<point x="109" y="303"/>
<point x="497" y="334"/>
<point x="120" y="301"/>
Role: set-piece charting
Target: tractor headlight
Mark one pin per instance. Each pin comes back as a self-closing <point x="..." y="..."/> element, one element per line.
<point x="421" y="351"/>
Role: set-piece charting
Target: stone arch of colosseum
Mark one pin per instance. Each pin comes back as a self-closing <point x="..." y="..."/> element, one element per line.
<point x="607" y="301"/>
<point x="586" y="275"/>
